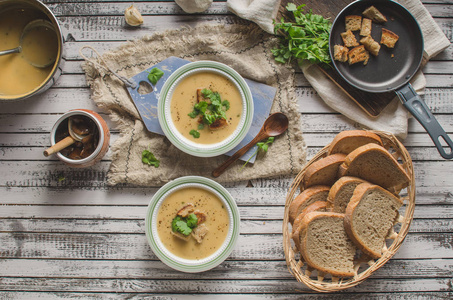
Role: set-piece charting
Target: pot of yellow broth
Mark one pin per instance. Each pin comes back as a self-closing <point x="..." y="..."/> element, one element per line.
<point x="20" y="78"/>
<point x="218" y="217"/>
<point x="205" y="108"/>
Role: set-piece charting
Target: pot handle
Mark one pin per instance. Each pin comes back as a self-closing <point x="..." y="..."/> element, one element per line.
<point x="418" y="108"/>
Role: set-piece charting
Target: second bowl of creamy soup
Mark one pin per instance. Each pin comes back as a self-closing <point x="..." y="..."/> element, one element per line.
<point x="192" y="224"/>
<point x="205" y="108"/>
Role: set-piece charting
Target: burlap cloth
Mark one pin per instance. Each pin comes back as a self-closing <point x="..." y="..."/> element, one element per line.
<point x="246" y="48"/>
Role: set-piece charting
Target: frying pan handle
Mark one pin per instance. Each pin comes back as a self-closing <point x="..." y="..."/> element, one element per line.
<point x="412" y="101"/>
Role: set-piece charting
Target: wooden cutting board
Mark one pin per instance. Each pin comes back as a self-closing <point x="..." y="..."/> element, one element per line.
<point x="371" y="103"/>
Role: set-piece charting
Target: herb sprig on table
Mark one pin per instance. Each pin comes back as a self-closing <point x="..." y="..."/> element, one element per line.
<point x="307" y="38"/>
<point x="262" y="146"/>
<point x="154" y="75"/>
<point x="149" y="159"/>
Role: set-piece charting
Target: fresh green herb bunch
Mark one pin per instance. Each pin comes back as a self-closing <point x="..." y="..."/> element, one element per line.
<point x="184" y="225"/>
<point x="305" y="39"/>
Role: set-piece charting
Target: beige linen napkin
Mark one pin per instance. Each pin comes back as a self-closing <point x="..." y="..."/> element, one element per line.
<point x="394" y="117"/>
<point x="247" y="50"/>
<point x="262" y="12"/>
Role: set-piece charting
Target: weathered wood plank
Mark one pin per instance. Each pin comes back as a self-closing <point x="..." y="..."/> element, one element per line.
<point x="135" y="247"/>
<point x="426" y="268"/>
<point x="139" y="212"/>
<point x="210" y="286"/>
<point x="197" y="296"/>
<point x="138" y="226"/>
<point x="430" y="176"/>
<point x="311" y="123"/>
<point x="36" y="153"/>
<point x="138" y="196"/>
<point x="169" y="8"/>
<point x="313" y="140"/>
<point x="96" y="28"/>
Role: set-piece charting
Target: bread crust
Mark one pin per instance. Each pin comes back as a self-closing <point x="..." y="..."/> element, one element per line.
<point x="348" y="168"/>
<point x="342" y="142"/>
<point x="328" y="165"/>
<point x="337" y="187"/>
<point x="317" y="206"/>
<point x="303" y="241"/>
<point x="302" y="198"/>
<point x="355" y="200"/>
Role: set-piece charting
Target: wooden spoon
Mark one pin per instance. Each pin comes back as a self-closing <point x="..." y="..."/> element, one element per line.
<point x="66" y="142"/>
<point x="275" y="124"/>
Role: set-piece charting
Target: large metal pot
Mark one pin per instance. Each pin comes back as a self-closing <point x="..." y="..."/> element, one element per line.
<point x="56" y="69"/>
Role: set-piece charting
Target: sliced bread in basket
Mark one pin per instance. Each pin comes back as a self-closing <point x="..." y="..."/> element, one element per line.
<point x="297" y="225"/>
<point x="347" y="141"/>
<point x="375" y="164"/>
<point x="341" y="192"/>
<point x="307" y="197"/>
<point x="369" y="217"/>
<point x="324" y="244"/>
<point x="323" y="171"/>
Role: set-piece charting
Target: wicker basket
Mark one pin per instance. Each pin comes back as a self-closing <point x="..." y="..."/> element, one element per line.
<point x="364" y="267"/>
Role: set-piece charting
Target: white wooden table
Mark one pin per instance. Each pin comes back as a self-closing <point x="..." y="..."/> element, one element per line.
<point x="65" y="234"/>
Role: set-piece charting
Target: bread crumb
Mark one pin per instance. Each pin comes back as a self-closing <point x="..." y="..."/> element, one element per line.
<point x="371" y="45"/>
<point x="358" y="54"/>
<point x="349" y="39"/>
<point x="389" y="38"/>
<point x="353" y="23"/>
<point x="374" y="14"/>
<point x="365" y="30"/>
<point x="340" y="53"/>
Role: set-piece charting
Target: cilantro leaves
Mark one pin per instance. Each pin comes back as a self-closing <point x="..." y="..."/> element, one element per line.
<point x="149" y="158"/>
<point x="194" y="133"/>
<point x="262" y="146"/>
<point x="184" y="225"/>
<point x="305" y="39"/>
<point x="154" y="75"/>
<point x="211" y="110"/>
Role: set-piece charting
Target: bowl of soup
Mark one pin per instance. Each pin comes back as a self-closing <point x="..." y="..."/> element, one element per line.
<point x="32" y="26"/>
<point x="205" y="108"/>
<point x="192" y="224"/>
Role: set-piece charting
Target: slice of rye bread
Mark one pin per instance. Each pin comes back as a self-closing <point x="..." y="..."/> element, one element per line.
<point x="324" y="244"/>
<point x="341" y="192"/>
<point x="375" y="164"/>
<point x="323" y="171"/>
<point x="307" y="197"/>
<point x="370" y="215"/>
<point x="297" y="225"/>
<point x="347" y="141"/>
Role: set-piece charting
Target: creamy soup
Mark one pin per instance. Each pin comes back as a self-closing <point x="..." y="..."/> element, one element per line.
<point x="185" y="97"/>
<point x="217" y="223"/>
<point x="17" y="75"/>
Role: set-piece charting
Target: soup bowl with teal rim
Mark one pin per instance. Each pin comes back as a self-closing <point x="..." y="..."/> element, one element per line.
<point x="223" y="250"/>
<point x="192" y="147"/>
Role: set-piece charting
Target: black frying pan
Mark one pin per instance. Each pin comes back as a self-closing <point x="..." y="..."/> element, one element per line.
<point x="385" y="73"/>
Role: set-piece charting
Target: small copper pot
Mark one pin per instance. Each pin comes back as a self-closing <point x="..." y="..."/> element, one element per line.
<point x="102" y="147"/>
